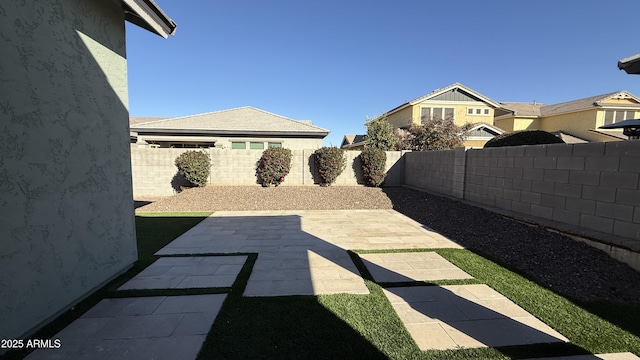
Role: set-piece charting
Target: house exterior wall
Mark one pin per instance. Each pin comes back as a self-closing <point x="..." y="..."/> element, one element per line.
<point x="403" y="118"/>
<point x="461" y="117"/>
<point x="577" y="124"/>
<point x="66" y="215"/>
<point x="511" y="124"/>
<point x="167" y="141"/>
<point x="289" y="143"/>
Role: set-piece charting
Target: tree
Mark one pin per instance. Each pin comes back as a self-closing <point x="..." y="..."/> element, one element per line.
<point x="380" y="134"/>
<point x="433" y="134"/>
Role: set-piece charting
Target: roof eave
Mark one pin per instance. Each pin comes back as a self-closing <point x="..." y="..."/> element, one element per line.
<point x="148" y="15"/>
<point x="232" y="132"/>
<point x="631" y="64"/>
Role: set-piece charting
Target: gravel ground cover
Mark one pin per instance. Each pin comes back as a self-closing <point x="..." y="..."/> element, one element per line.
<point x="564" y="265"/>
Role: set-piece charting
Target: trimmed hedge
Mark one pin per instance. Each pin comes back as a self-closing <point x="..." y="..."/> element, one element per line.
<point x="373" y="162"/>
<point x="524" y="137"/>
<point x="330" y="162"/>
<point x="194" y="166"/>
<point x="273" y="166"/>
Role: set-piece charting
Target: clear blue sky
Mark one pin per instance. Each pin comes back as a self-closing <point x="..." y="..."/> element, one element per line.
<point x="337" y="62"/>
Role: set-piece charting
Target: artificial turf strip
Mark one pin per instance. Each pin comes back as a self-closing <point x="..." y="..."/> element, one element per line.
<point x="584" y="329"/>
<point x="366" y="326"/>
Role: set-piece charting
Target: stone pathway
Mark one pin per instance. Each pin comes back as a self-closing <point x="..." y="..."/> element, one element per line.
<point x="157" y="327"/>
<point x="188" y="273"/>
<point x="299" y="253"/>
<point x="468" y="316"/>
<point x="411" y="267"/>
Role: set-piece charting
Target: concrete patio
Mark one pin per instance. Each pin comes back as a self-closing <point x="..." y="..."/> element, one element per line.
<point x="299" y="253"/>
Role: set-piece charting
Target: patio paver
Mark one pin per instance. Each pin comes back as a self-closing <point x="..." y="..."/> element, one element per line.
<point x="157" y="327"/>
<point x="469" y="316"/>
<point x="305" y="252"/>
<point x="188" y="272"/>
<point x="415" y="266"/>
<point x="611" y="356"/>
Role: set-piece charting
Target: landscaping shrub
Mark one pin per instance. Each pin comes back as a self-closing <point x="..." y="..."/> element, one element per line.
<point x="273" y="166"/>
<point x="194" y="166"/>
<point x="330" y="162"/>
<point x="524" y="137"/>
<point x="373" y="162"/>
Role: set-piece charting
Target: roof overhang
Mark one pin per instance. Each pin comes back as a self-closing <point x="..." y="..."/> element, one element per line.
<point x="148" y="15"/>
<point x="231" y="133"/>
<point x="631" y="64"/>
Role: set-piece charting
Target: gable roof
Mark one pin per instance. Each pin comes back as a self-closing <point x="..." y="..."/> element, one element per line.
<point x="493" y="128"/>
<point x="541" y="110"/>
<point x="452" y="87"/>
<point x="135" y="120"/>
<point x="522" y="109"/>
<point x="148" y="15"/>
<point x="238" y="121"/>
<point x="351" y="140"/>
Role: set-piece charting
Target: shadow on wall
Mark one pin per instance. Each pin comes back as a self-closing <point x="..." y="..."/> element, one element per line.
<point x="356" y="166"/>
<point x="179" y="182"/>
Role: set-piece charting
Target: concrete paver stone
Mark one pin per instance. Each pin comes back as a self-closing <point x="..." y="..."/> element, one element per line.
<point x="158" y="327"/>
<point x="471" y="316"/>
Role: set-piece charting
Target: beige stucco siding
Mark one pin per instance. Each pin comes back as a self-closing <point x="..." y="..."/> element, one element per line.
<point x="66" y="214"/>
<point x="402" y="118"/>
<point x="577" y="124"/>
<point x="460" y="112"/>
<point x="510" y="124"/>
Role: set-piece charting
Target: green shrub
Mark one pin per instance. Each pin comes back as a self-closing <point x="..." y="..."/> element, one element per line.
<point x="524" y="137"/>
<point x="373" y="162"/>
<point x="330" y="162"/>
<point x="194" y="166"/>
<point x="273" y="166"/>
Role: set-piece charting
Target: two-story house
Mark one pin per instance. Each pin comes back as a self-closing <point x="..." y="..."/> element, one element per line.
<point x="579" y="118"/>
<point x="457" y="102"/>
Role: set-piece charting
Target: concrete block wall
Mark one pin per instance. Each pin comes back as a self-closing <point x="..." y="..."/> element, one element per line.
<point x="592" y="186"/>
<point x="436" y="171"/>
<point x="154" y="170"/>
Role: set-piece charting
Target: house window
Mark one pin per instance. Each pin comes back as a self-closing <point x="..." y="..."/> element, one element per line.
<point x="614" y="116"/>
<point x="428" y="113"/>
<point x="239" y="145"/>
<point x="256" y="146"/>
<point x="275" y="145"/>
<point x="478" y="111"/>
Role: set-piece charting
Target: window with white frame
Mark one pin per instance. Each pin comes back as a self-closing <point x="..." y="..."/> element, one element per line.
<point x="478" y="111"/>
<point x="428" y="113"/>
<point x="614" y="116"/>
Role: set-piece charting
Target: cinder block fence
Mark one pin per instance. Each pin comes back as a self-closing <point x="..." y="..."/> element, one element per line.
<point x="588" y="189"/>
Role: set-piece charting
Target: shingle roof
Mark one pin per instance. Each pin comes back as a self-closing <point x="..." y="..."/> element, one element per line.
<point x="537" y="110"/>
<point x="243" y="120"/>
<point x="575" y="105"/>
<point x="135" y="120"/>
<point x="352" y="140"/>
<point x="522" y="109"/>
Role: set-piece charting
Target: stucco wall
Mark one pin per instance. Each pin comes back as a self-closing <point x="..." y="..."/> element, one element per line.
<point x="577" y="124"/>
<point x="154" y="170"/>
<point x="66" y="215"/>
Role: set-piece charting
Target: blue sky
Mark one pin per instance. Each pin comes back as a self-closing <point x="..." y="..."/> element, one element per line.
<point x="337" y="62"/>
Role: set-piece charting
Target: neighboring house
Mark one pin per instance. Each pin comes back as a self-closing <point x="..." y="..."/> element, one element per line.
<point x="579" y="118"/>
<point x="66" y="213"/>
<point x="239" y="128"/>
<point x="457" y="102"/>
<point x="353" y="142"/>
